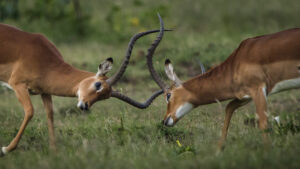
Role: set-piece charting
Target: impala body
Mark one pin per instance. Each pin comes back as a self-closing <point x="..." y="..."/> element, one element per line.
<point x="260" y="66"/>
<point x="30" y="64"/>
<point x="31" y="60"/>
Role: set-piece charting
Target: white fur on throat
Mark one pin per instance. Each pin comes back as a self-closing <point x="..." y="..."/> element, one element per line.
<point x="78" y="93"/>
<point x="182" y="110"/>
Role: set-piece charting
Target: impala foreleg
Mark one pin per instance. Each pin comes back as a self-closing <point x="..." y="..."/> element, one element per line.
<point x="260" y="100"/>
<point x="24" y="98"/>
<point x="47" y="100"/>
<point x="230" y="108"/>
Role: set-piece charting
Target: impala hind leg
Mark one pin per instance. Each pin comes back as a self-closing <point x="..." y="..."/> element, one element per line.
<point x="24" y="98"/>
<point x="47" y="100"/>
<point x="230" y="108"/>
<point x="260" y="100"/>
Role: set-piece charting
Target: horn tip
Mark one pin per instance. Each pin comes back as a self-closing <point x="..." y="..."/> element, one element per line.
<point x="110" y="59"/>
<point x="158" y="14"/>
<point x="167" y="61"/>
<point x="159" y="17"/>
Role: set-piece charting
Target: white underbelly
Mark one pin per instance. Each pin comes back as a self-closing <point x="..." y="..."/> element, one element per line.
<point x="5" y="85"/>
<point x="286" y="85"/>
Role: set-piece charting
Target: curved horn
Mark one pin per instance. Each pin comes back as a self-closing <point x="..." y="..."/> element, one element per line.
<point x="135" y="103"/>
<point x="151" y="50"/>
<point x="112" y="80"/>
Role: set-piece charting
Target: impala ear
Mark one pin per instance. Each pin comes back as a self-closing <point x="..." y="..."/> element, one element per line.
<point x="170" y="73"/>
<point x="105" y="67"/>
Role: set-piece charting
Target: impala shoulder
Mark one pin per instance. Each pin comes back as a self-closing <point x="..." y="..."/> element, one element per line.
<point x="245" y="42"/>
<point x="248" y="43"/>
<point x="43" y="42"/>
<point x="239" y="51"/>
<point x="37" y="37"/>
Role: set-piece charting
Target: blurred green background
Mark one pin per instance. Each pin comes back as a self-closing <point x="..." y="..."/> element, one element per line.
<point x="202" y="28"/>
<point x="116" y="135"/>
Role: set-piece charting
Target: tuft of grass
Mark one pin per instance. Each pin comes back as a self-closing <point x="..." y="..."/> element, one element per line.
<point x="288" y="124"/>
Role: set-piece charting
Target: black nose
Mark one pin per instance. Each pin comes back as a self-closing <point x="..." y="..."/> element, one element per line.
<point x="165" y="122"/>
<point x="84" y="107"/>
<point x="81" y="107"/>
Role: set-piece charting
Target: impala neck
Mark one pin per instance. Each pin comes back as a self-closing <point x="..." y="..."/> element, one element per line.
<point x="65" y="79"/>
<point x="215" y="85"/>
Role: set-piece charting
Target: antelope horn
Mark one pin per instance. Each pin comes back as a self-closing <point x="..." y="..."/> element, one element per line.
<point x="151" y="50"/>
<point x="135" y="103"/>
<point x="120" y="72"/>
<point x="113" y="80"/>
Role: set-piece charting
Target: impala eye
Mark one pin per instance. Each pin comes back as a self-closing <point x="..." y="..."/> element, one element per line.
<point x="98" y="85"/>
<point x="168" y="96"/>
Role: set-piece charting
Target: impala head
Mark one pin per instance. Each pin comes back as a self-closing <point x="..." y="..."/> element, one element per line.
<point x="99" y="87"/>
<point x="179" y="100"/>
<point x="95" y="88"/>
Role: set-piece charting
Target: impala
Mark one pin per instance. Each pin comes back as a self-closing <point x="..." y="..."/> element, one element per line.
<point x="31" y="64"/>
<point x="259" y="67"/>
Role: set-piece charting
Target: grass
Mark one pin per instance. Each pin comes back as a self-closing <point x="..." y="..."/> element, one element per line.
<point x="116" y="135"/>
